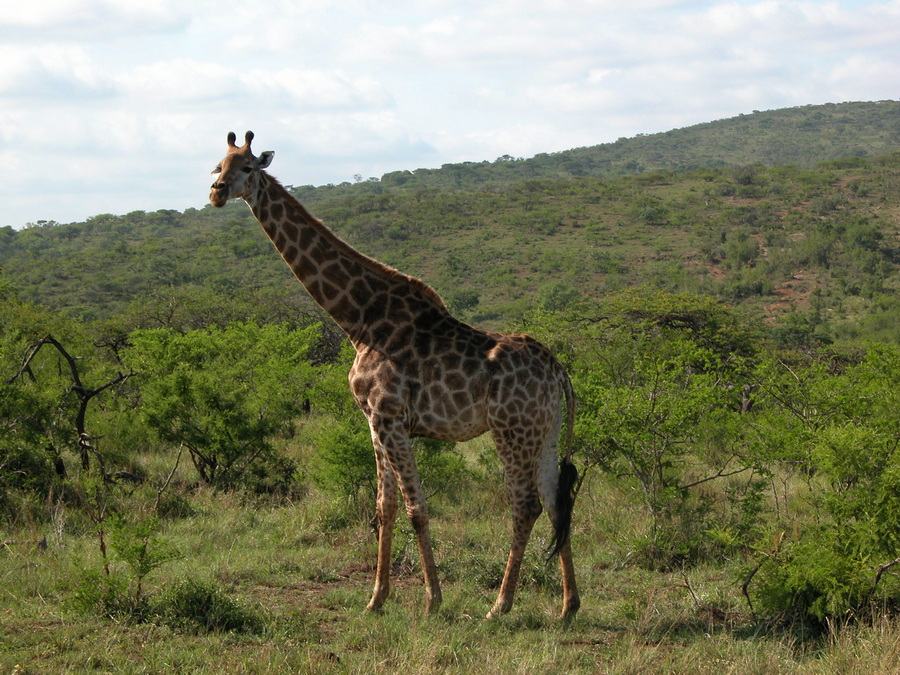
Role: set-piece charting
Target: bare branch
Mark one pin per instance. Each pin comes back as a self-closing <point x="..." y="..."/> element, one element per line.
<point x="721" y="474"/>
<point x="84" y="394"/>
<point x="766" y="556"/>
<point x="168" y="479"/>
<point x="687" y="585"/>
<point x="30" y="353"/>
<point x="882" y="568"/>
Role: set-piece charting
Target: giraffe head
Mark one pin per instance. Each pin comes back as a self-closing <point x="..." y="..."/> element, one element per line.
<point x="237" y="174"/>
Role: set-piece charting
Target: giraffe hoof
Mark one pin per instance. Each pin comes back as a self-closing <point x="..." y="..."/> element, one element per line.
<point x="495" y="613"/>
<point x="570" y="610"/>
<point x="432" y="606"/>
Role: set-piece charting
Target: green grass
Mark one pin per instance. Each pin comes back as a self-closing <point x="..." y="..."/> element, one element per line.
<point x="304" y="582"/>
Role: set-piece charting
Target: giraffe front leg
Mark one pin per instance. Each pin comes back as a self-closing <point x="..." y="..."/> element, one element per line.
<point x="398" y="450"/>
<point x="386" y="511"/>
<point x="418" y="515"/>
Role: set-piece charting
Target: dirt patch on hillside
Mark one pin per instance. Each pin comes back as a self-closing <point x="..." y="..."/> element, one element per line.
<point x="794" y="295"/>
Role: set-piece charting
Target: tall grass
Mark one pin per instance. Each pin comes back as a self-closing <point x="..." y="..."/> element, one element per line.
<point x="298" y="578"/>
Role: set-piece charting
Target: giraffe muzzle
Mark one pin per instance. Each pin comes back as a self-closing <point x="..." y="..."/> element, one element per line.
<point x="219" y="194"/>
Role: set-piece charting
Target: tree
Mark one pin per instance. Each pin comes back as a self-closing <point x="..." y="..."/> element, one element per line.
<point x="224" y="393"/>
<point x="83" y="393"/>
<point x="44" y="400"/>
<point x="659" y="381"/>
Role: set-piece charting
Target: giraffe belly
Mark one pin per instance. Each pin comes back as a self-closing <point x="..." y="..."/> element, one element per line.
<point x="462" y="428"/>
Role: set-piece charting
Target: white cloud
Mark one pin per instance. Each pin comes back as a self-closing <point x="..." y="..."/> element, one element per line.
<point x="187" y="81"/>
<point x="49" y="71"/>
<point x="316" y="89"/>
<point x="856" y="76"/>
<point x="118" y="96"/>
<point x="84" y="20"/>
<point x="176" y="82"/>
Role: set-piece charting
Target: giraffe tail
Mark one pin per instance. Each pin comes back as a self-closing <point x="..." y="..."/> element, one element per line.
<point x="570" y="415"/>
<point x="567" y="487"/>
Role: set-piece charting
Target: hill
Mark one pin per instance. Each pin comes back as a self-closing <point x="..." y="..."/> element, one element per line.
<point x="707" y="209"/>
<point x="803" y="136"/>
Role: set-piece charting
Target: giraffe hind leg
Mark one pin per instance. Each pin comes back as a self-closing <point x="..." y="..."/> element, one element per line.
<point x="556" y="485"/>
<point x="525" y="504"/>
<point x="526" y="507"/>
<point x="565" y="501"/>
<point x="571" y="601"/>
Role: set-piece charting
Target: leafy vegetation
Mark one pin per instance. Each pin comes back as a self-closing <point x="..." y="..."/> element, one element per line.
<point x="185" y="483"/>
<point x="224" y="393"/>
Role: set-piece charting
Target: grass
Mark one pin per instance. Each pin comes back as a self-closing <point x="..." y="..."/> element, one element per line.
<point x="299" y="579"/>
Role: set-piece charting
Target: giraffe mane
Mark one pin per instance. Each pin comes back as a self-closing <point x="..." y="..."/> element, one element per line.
<point x="379" y="268"/>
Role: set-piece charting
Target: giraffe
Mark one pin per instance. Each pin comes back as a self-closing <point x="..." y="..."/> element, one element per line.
<point x="418" y="371"/>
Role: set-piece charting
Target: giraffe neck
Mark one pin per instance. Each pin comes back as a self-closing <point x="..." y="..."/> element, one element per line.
<point x="367" y="299"/>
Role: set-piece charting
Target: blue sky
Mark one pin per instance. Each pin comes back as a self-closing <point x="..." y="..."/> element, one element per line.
<point x="111" y="106"/>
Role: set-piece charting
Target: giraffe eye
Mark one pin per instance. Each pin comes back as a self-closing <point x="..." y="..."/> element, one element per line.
<point x="218" y="169"/>
<point x="247" y="169"/>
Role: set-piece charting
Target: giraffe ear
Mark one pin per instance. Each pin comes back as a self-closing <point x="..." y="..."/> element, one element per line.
<point x="264" y="159"/>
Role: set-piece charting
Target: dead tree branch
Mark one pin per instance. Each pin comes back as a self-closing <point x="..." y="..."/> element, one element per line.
<point x="84" y="394"/>
<point x="882" y="568"/>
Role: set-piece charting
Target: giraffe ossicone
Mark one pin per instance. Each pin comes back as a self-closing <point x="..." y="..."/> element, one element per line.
<point x="419" y="371"/>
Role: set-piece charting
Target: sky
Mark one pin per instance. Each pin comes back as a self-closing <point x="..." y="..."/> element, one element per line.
<point x="114" y="106"/>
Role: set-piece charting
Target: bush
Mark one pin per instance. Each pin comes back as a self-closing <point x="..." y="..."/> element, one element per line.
<point x="442" y="468"/>
<point x="345" y="460"/>
<point x="205" y="608"/>
<point x="225" y="394"/>
<point x="832" y="568"/>
<point x="107" y="595"/>
<point x="821" y="577"/>
<point x="28" y="468"/>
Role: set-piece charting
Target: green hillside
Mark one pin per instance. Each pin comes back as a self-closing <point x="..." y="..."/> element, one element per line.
<point x="803" y="136"/>
<point x="818" y="239"/>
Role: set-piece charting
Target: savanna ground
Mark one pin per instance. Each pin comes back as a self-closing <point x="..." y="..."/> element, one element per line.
<point x="293" y="575"/>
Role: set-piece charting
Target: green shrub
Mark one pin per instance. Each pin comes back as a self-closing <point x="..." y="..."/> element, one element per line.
<point x="831" y="568"/>
<point x="820" y="577"/>
<point x="29" y="469"/>
<point x="139" y="546"/>
<point x="345" y="460"/>
<point x="24" y="470"/>
<point x="107" y="595"/>
<point x="442" y="468"/>
<point x="225" y="394"/>
<point x="203" y="607"/>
